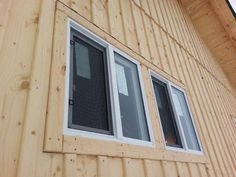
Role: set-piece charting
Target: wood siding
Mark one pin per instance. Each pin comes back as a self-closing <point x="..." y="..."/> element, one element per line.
<point x="160" y="35"/>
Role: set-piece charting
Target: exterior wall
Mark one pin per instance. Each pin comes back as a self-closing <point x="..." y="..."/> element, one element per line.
<point x="160" y="36"/>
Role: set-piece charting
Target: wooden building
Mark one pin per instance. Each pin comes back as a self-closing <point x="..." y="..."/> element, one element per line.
<point x="184" y="50"/>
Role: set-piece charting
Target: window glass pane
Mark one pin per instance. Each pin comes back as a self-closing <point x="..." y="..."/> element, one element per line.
<point x="82" y="63"/>
<point x="89" y="103"/>
<point x="168" y="121"/>
<point x="185" y="118"/>
<point x="132" y="111"/>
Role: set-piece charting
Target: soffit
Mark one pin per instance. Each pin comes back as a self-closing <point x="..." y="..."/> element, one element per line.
<point x="217" y="26"/>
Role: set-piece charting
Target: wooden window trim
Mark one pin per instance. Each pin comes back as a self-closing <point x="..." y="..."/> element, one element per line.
<point x="56" y="142"/>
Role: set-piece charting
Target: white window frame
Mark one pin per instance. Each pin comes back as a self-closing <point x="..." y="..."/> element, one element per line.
<point x="114" y="98"/>
<point x="179" y="125"/>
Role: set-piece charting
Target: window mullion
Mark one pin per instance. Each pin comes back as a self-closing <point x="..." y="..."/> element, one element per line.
<point x="179" y="125"/>
<point x="117" y="125"/>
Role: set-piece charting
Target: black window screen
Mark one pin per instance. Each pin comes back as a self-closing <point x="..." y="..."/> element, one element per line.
<point x="89" y="106"/>
<point x="166" y="114"/>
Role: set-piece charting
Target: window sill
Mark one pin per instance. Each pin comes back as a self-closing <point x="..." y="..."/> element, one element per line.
<point x="107" y="138"/>
<point x="91" y="146"/>
<point x="190" y="152"/>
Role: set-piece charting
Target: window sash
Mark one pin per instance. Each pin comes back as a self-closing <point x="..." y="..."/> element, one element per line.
<point x="133" y="95"/>
<point x="190" y="120"/>
<point x="75" y="37"/>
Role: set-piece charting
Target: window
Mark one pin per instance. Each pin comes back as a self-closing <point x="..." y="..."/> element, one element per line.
<point x="232" y="6"/>
<point x="89" y="107"/>
<point x="175" y="117"/>
<point x="130" y="99"/>
<point x="169" y="125"/>
<point x="105" y="94"/>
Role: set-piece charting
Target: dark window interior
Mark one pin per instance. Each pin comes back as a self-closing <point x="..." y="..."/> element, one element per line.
<point x="89" y="106"/>
<point x="166" y="114"/>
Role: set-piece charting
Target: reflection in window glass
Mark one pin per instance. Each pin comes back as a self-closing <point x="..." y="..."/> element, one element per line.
<point x="132" y="111"/>
<point x="82" y="63"/>
<point x="185" y="118"/>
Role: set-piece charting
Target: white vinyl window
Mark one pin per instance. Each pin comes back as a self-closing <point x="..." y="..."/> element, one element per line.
<point x="104" y="91"/>
<point x="176" y="119"/>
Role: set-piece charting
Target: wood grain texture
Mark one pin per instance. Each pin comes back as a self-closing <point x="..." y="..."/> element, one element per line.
<point x="216" y="24"/>
<point x="53" y="134"/>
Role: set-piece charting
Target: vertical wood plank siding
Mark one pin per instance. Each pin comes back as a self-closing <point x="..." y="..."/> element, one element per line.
<point x="160" y="34"/>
